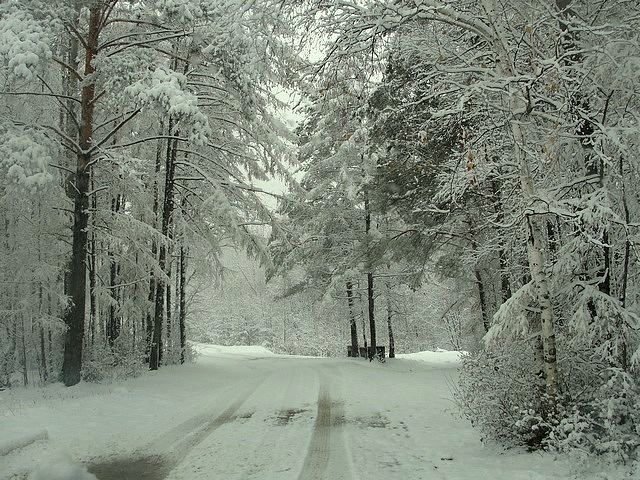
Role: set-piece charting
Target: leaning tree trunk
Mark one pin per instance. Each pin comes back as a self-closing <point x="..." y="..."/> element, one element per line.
<point x="352" y="321"/>
<point x="74" y="316"/>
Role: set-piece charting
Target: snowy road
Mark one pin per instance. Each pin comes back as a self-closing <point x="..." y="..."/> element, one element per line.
<point x="252" y="415"/>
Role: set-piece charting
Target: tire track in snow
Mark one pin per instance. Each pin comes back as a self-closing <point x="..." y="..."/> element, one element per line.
<point x="271" y="438"/>
<point x="326" y="455"/>
<point x="156" y="460"/>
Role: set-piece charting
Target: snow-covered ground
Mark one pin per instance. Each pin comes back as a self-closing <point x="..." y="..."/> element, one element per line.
<point x="246" y="413"/>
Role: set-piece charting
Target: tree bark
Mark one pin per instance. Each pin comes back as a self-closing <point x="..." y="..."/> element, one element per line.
<point x="113" y="323"/>
<point x="43" y="350"/>
<point x="486" y="321"/>
<point x="93" y="271"/>
<point x="352" y="321"/>
<point x="74" y="317"/>
<point x="535" y="228"/>
<point x="183" y="302"/>
<point x="25" y="374"/>
<point x="370" y="286"/>
<point x="505" y="284"/>
<point x="392" y="342"/>
<point x="169" y="343"/>
<point x="167" y="212"/>
<point x="364" y="325"/>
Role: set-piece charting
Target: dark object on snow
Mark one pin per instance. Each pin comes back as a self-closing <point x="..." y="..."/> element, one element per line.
<point x="379" y="352"/>
<point x="363" y="352"/>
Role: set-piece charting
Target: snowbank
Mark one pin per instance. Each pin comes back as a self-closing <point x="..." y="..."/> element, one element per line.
<point x="14" y="442"/>
<point x="439" y="357"/>
<point x="236" y="350"/>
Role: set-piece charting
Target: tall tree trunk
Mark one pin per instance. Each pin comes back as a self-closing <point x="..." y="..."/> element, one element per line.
<point x="505" y="284"/>
<point x="169" y="343"/>
<point x="169" y="304"/>
<point x="25" y="371"/>
<point x="43" y="356"/>
<point x="74" y="317"/>
<point x="93" y="270"/>
<point x="43" y="353"/>
<point x="623" y="348"/>
<point x="392" y="342"/>
<point x="183" y="302"/>
<point x="370" y="291"/>
<point x="113" y="322"/>
<point x="352" y="321"/>
<point x="535" y="229"/>
<point x="364" y="325"/>
<point x="167" y="211"/>
<point x="486" y="321"/>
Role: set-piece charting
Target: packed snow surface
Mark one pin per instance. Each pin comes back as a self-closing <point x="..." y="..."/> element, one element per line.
<point x="61" y="468"/>
<point x="246" y="413"/>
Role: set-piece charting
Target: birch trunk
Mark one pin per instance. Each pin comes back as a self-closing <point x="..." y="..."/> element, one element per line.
<point x="535" y="223"/>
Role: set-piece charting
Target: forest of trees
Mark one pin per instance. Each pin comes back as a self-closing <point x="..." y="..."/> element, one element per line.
<point x="487" y="146"/>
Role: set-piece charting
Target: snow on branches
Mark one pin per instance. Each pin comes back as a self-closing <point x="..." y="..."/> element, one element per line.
<point x="165" y="89"/>
<point x="24" y="158"/>
<point x="24" y="42"/>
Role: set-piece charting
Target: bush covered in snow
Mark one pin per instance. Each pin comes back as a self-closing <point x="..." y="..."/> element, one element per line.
<point x="605" y="420"/>
<point x="497" y="393"/>
<point x="597" y="411"/>
<point x="105" y="364"/>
